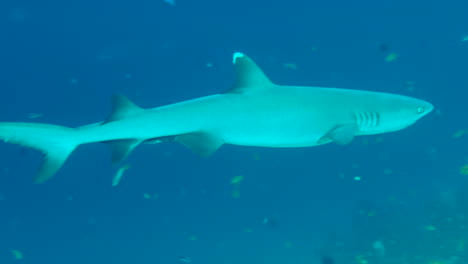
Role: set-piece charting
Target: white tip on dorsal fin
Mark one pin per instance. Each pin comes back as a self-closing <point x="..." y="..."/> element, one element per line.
<point x="249" y="77"/>
<point x="122" y="107"/>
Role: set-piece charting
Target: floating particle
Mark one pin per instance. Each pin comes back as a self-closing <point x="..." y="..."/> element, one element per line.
<point x="379" y="248"/>
<point x="18" y="255"/>
<point x="34" y="115"/>
<point x="357" y="178"/>
<point x="185" y="259"/>
<point x="288" y="244"/>
<point x="256" y="156"/>
<point x="360" y="260"/>
<point x="74" y="81"/>
<point x="248" y="230"/>
<point x="17" y="15"/>
<point x="170" y="2"/>
<point x="237" y="179"/>
<point x="291" y="66"/>
<point x="327" y="260"/>
<point x="270" y="222"/>
<point x="314" y="48"/>
<point x="464" y="38"/>
<point x="192" y="238"/>
<point x="235" y="194"/>
<point x="461" y="245"/>
<point x="464" y="170"/>
<point x="128" y="76"/>
<point x="371" y="213"/>
<point x="430" y="228"/>
<point x="148" y="196"/>
<point x="460" y="133"/>
<point x="409" y="85"/>
<point x="383" y="47"/>
<point x="391" y="57"/>
<point x="91" y="220"/>
<point x="119" y="174"/>
<point x="387" y="172"/>
<point x="209" y="65"/>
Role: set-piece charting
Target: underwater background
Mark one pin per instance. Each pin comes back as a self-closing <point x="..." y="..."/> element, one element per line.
<point x="394" y="198"/>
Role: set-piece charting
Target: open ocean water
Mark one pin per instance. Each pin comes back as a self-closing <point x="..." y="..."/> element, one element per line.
<point x="397" y="198"/>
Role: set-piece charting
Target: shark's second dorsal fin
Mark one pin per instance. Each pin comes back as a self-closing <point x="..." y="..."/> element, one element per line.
<point x="249" y="77"/>
<point x="122" y="107"/>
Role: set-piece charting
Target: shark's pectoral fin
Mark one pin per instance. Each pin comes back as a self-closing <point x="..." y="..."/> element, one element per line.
<point x="201" y="143"/>
<point x="122" y="107"/>
<point x="122" y="148"/>
<point x="341" y="134"/>
<point x="249" y="77"/>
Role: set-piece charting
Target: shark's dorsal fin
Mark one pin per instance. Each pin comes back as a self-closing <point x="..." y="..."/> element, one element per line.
<point x="249" y="77"/>
<point x="122" y="107"/>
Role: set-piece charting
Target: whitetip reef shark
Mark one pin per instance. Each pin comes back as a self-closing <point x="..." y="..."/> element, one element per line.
<point x="254" y="112"/>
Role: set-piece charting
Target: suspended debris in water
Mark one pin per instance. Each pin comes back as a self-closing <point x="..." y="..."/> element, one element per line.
<point x="464" y="170"/>
<point x="170" y="2"/>
<point x="185" y="259"/>
<point x="391" y="57"/>
<point x="34" y="115"/>
<point x="383" y="47"/>
<point x="270" y="222"/>
<point x="460" y="133"/>
<point x="327" y="260"/>
<point x="237" y="179"/>
<point x="18" y="255"/>
<point x="291" y="66"/>
<point x="379" y="248"/>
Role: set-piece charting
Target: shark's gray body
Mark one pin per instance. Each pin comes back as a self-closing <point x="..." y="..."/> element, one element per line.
<point x="255" y="112"/>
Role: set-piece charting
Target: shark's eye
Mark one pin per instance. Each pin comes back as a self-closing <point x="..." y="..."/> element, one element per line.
<point x="420" y="109"/>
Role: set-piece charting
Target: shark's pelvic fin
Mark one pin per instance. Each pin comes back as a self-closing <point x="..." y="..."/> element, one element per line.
<point x="122" y="148"/>
<point x="341" y="134"/>
<point x="201" y="143"/>
<point x="122" y="107"/>
<point x="249" y="77"/>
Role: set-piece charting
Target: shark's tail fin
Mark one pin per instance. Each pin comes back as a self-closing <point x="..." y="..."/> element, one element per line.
<point x="55" y="142"/>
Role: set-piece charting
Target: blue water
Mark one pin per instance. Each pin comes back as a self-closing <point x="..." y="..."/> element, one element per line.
<point x="62" y="60"/>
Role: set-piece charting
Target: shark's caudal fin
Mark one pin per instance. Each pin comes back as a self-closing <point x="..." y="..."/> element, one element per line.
<point x="55" y="142"/>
